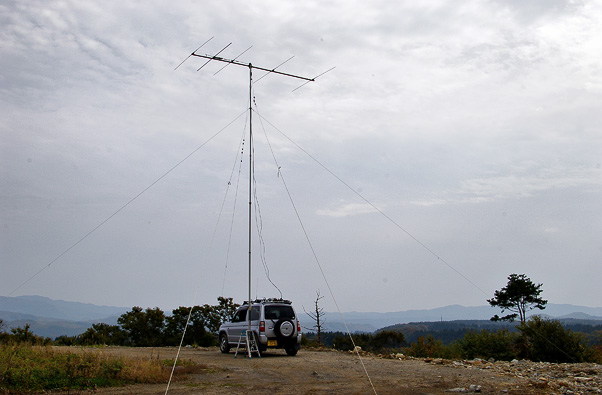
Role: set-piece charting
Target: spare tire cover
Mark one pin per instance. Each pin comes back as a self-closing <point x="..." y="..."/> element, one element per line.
<point x="285" y="328"/>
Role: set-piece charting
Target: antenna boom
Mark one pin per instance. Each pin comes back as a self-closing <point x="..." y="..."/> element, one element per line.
<point x="239" y="63"/>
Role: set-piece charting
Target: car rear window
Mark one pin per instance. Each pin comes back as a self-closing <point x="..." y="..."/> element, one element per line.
<point x="279" y="312"/>
<point x="254" y="313"/>
<point x="241" y="315"/>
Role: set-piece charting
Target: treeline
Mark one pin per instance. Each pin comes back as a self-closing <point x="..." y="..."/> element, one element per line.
<point x="22" y="336"/>
<point x="538" y="339"/>
<point x="451" y="331"/>
<point x="448" y="331"/>
<point x="145" y="328"/>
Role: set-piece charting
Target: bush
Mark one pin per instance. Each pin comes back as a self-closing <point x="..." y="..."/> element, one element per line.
<point x="499" y="345"/>
<point x="384" y="341"/>
<point x="387" y="341"/>
<point x="547" y="340"/>
<point x="23" y="335"/>
<point x="429" y="347"/>
<point x="344" y="343"/>
<point x="101" y="334"/>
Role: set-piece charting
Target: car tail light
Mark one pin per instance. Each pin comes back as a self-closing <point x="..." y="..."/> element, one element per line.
<point x="261" y="326"/>
<point x="298" y="326"/>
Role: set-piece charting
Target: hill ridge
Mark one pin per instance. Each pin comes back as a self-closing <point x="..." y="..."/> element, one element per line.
<point x="50" y="318"/>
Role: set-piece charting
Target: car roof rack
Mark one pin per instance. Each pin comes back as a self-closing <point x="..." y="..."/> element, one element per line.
<point x="268" y="300"/>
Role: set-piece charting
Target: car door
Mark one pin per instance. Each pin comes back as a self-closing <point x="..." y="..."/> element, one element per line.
<point x="237" y="327"/>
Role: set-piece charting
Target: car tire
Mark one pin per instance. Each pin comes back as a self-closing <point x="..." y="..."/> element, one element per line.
<point x="291" y="351"/>
<point x="284" y="329"/>
<point x="224" y="346"/>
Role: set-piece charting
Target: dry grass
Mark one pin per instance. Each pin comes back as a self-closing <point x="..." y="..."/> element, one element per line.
<point x="34" y="368"/>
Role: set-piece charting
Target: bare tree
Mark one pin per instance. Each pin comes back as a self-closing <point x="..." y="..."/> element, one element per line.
<point x="318" y="316"/>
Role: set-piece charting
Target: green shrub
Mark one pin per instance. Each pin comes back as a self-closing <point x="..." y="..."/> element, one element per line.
<point x="344" y="343"/>
<point x="384" y="341"/>
<point x="427" y="347"/>
<point x="547" y="340"/>
<point x="387" y="341"/>
<point x="499" y="345"/>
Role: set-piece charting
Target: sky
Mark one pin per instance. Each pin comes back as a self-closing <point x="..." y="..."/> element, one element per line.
<point x="453" y="143"/>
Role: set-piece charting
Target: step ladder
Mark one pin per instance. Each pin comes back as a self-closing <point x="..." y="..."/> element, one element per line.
<point x="250" y="342"/>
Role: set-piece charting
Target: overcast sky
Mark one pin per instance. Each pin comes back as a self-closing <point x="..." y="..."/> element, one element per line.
<point x="474" y="127"/>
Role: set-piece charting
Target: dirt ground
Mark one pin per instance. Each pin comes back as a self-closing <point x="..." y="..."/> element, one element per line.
<point x="319" y="372"/>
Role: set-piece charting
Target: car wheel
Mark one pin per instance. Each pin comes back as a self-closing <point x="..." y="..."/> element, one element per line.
<point x="292" y="351"/>
<point x="224" y="346"/>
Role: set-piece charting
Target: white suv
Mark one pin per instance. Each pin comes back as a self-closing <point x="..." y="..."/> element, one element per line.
<point x="273" y="321"/>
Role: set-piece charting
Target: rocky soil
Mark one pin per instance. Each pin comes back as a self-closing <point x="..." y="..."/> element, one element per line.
<point x="333" y="372"/>
<point x="544" y="377"/>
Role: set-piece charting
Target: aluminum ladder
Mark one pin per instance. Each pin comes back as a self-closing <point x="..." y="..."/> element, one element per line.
<point x="250" y="342"/>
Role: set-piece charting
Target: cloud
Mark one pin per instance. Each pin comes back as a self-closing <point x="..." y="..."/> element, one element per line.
<point x="347" y="210"/>
<point x="525" y="184"/>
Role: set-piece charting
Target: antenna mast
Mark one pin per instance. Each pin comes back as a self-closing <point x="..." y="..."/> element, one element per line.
<point x="268" y="71"/>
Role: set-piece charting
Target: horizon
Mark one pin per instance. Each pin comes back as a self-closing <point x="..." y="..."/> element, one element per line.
<point x="52" y="318"/>
<point x="530" y="312"/>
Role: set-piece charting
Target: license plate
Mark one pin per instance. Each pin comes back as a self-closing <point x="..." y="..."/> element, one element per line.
<point x="272" y="343"/>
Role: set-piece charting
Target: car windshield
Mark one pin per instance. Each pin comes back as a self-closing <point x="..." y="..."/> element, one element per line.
<point x="279" y="312"/>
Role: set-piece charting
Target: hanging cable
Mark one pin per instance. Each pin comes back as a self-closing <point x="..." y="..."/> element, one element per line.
<point x="239" y="161"/>
<point x="259" y="226"/>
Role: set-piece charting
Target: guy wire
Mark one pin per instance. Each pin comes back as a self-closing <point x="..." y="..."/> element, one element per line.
<point x="261" y="118"/>
<point x="239" y="154"/>
<point x="397" y="225"/>
<point x="281" y="176"/>
<point x="125" y="205"/>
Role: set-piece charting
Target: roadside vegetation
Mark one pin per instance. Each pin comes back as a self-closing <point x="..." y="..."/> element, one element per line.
<point x="30" y="363"/>
<point x="538" y="339"/>
<point x="153" y="328"/>
<point x="26" y="368"/>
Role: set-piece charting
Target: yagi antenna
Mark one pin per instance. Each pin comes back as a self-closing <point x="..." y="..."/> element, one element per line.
<point x="313" y="79"/>
<point x="233" y="59"/>
<point x="210" y="57"/>
<point x="193" y="52"/>
<point x="274" y="69"/>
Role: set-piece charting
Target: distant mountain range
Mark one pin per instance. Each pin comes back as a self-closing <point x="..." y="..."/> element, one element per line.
<point x="369" y="322"/>
<point x="58" y="309"/>
<point x="52" y="318"/>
